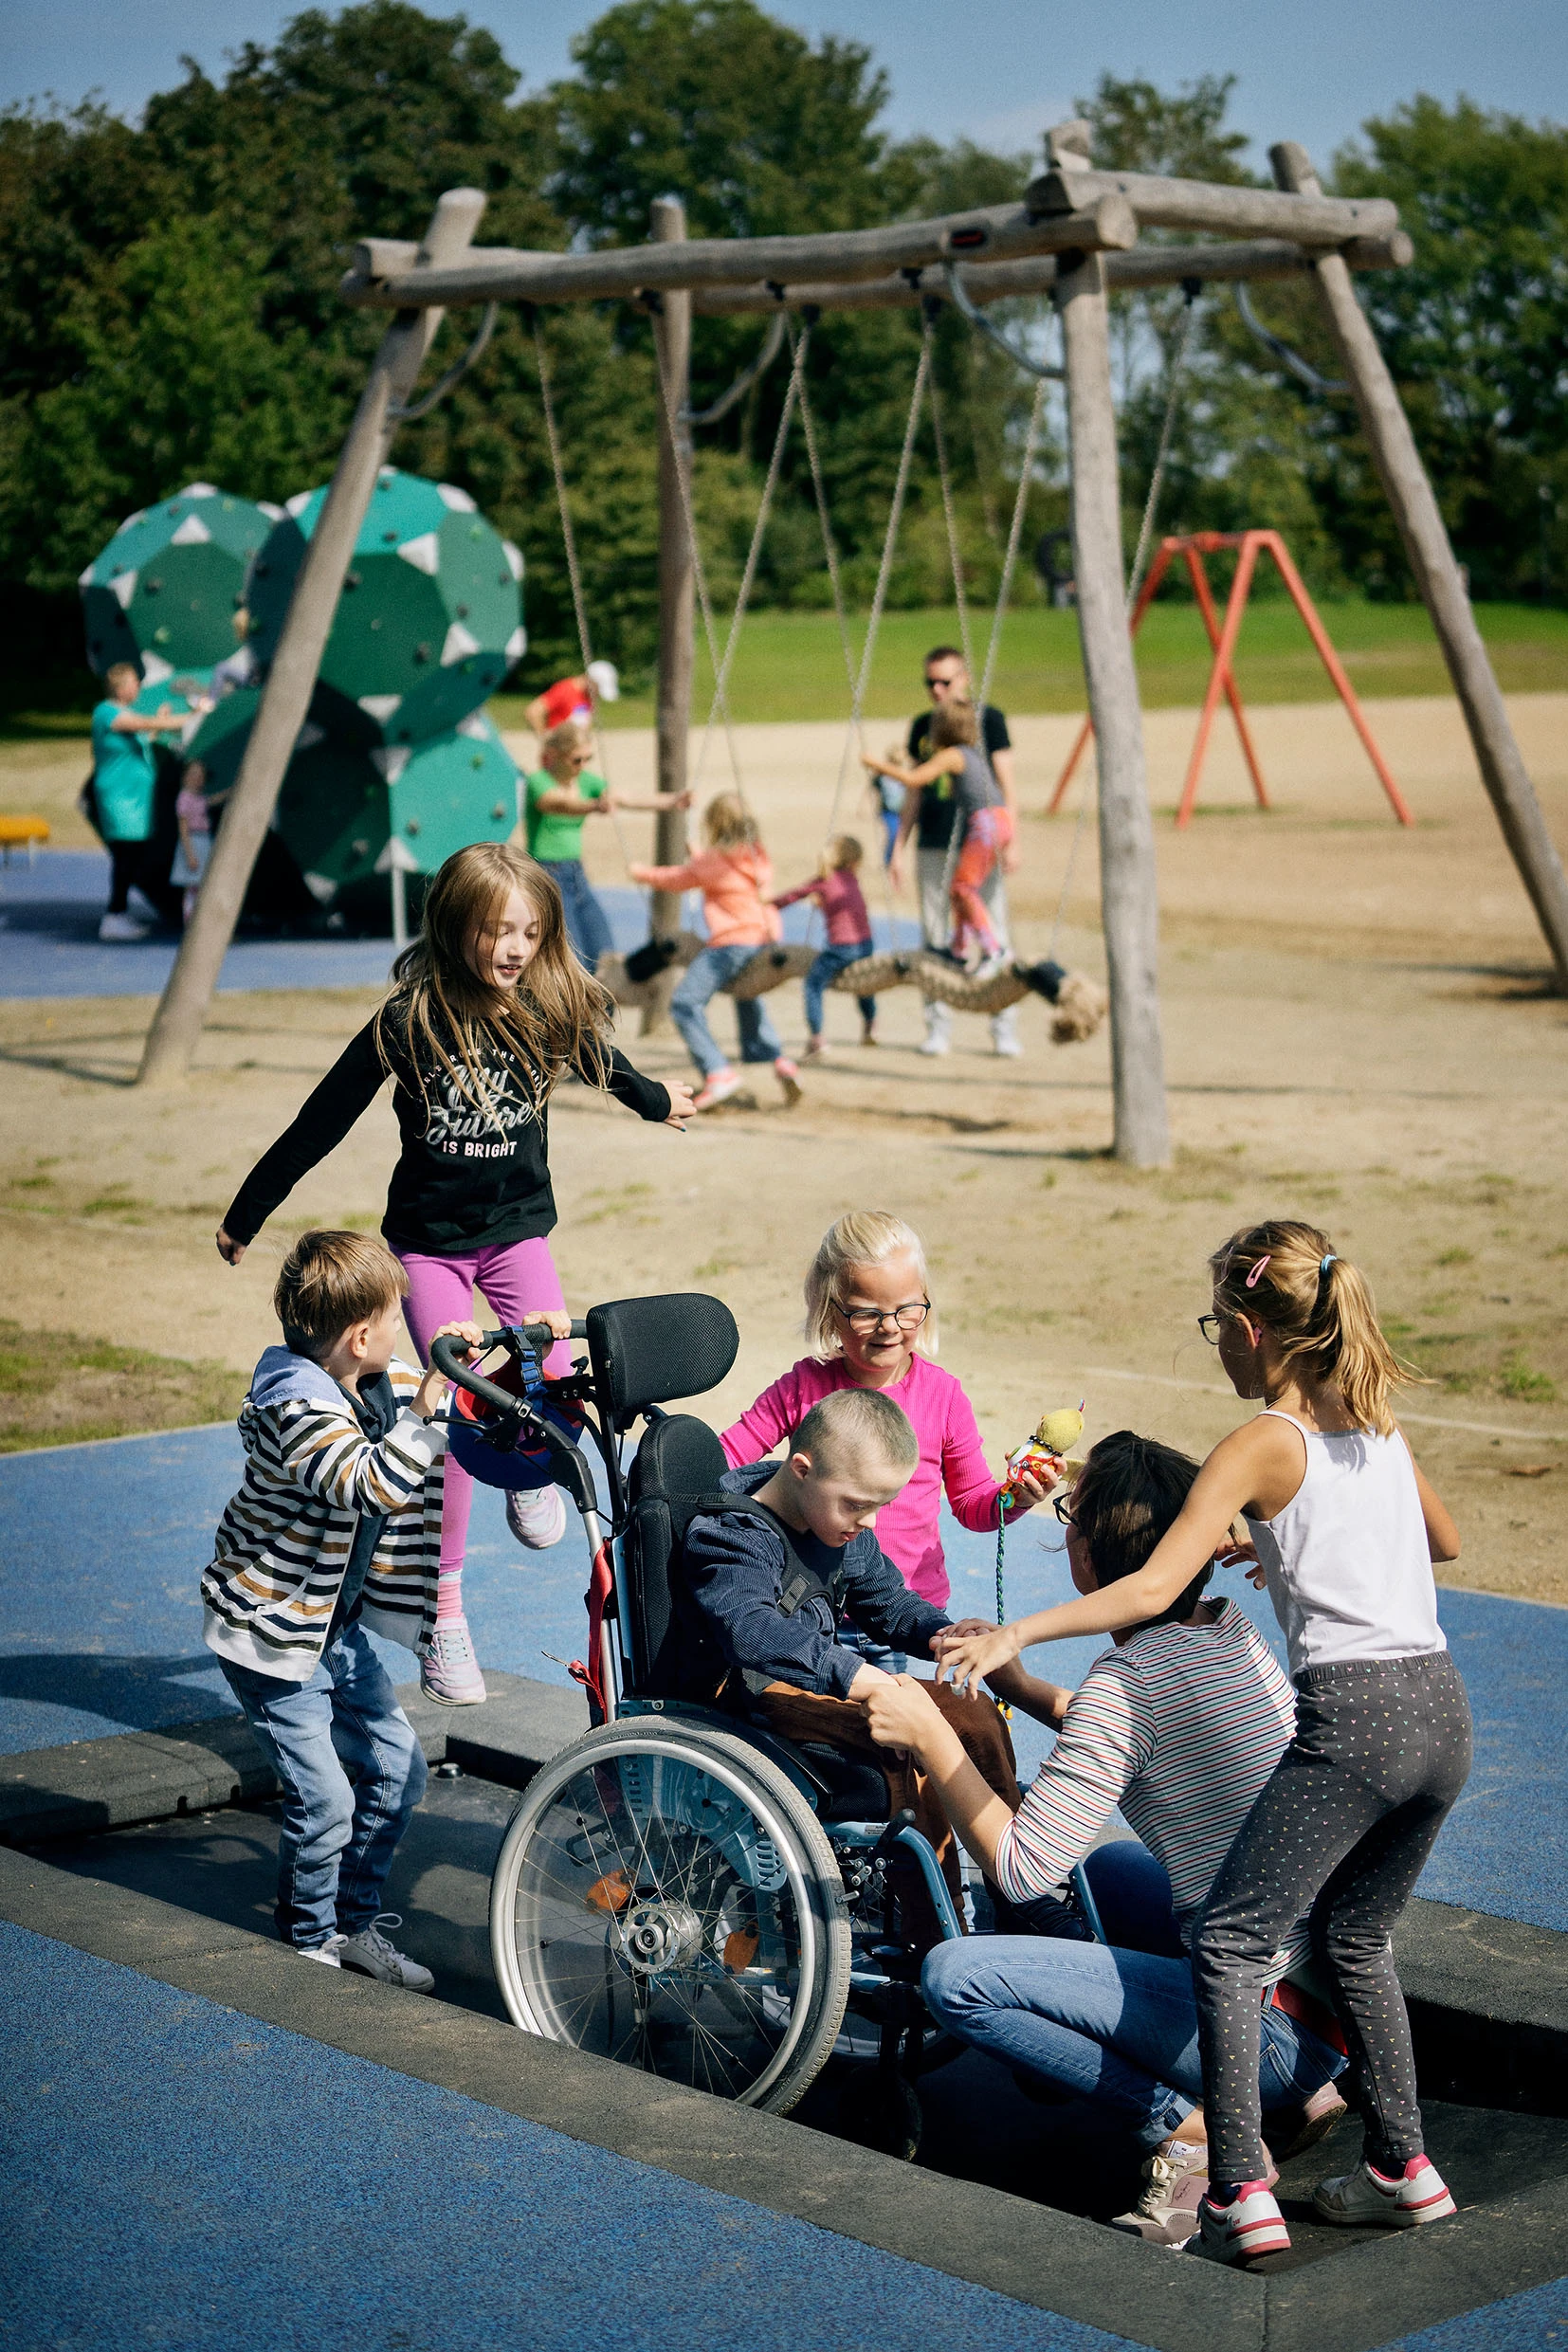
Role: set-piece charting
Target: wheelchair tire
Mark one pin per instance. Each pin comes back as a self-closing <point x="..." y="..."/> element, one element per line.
<point x="652" y="1869"/>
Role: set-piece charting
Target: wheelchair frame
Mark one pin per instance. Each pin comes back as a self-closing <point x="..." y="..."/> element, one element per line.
<point x="880" y="1981"/>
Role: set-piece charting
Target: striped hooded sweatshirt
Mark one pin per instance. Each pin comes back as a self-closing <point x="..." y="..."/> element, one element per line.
<point x="284" y="1544"/>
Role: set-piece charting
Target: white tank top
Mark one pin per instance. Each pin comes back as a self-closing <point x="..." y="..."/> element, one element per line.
<point x="1347" y="1560"/>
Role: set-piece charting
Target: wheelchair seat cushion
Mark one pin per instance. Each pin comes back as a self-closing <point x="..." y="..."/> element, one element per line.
<point x="678" y="1466"/>
<point x="857" y="1788"/>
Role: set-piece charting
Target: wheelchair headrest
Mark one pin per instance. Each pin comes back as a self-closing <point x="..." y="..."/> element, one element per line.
<point x="646" y="1351"/>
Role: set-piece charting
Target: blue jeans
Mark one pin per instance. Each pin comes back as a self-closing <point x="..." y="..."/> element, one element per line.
<point x="705" y="976"/>
<point x="586" y="925"/>
<point x="352" y="1773"/>
<point x="830" y="963"/>
<point x="1104" y="2023"/>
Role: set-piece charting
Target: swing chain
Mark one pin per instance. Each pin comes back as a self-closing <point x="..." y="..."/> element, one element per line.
<point x="1301" y="369"/>
<point x="406" y="412"/>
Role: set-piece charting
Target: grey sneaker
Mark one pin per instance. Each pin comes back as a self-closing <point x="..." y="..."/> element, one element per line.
<point x="537" y="1516"/>
<point x="449" y="1670"/>
<point x="369" y="1954"/>
<point x="326" y="1953"/>
<point x="1174" y="2176"/>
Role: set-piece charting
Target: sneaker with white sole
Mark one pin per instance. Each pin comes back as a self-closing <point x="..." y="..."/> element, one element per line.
<point x="537" y="1516"/>
<point x="450" y="1672"/>
<point x="716" y="1090"/>
<point x="1174" y="2176"/>
<point x="933" y="1045"/>
<point x="369" y="1954"/>
<point x="1247" y="2229"/>
<point x="1293" y="2133"/>
<point x="121" y="930"/>
<point x="328" y="1953"/>
<point x="1365" y="2198"/>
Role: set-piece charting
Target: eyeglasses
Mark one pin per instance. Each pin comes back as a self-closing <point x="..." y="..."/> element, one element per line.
<point x="908" y="1318"/>
<point x="1062" y="1505"/>
<point x="941" y="685"/>
<point x="1208" y="1326"/>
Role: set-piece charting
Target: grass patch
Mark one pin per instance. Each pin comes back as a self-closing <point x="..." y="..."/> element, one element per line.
<point x="1518" y="1379"/>
<point x="57" y="1388"/>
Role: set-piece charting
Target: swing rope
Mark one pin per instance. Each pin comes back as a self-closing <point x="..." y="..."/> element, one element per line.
<point x="569" y="540"/>
<point x="1191" y="288"/>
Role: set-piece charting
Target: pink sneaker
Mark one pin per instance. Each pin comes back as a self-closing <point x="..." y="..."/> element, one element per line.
<point x="450" y="1672"/>
<point x="717" y="1089"/>
<point x="1247" y="2229"/>
<point x="1365" y="2198"/>
<point x="789" y="1078"/>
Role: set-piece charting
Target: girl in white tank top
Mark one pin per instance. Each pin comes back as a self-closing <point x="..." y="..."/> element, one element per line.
<point x="1345" y="1530"/>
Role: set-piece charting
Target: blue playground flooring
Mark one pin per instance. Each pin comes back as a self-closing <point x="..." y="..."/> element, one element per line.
<point x="101" y="1548"/>
<point x="178" y="2174"/>
<point x="49" y="914"/>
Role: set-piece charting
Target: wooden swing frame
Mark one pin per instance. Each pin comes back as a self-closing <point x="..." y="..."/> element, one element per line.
<point x="1191" y="546"/>
<point x="1074" y="235"/>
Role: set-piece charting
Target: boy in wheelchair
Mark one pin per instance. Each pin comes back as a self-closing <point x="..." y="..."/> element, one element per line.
<point x="772" y="1579"/>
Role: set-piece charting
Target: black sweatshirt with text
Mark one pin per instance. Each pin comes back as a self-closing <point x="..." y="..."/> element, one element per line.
<point x="468" y="1177"/>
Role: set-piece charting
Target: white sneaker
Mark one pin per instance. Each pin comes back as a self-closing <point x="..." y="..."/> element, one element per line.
<point x="1248" y="2229"/>
<point x="1364" y="2198"/>
<point x="326" y="1953"/>
<point x="120" y="930"/>
<point x="369" y="1954"/>
<point x="933" y="1044"/>
<point x="450" y="1672"/>
<point x="992" y="967"/>
<point x="537" y="1516"/>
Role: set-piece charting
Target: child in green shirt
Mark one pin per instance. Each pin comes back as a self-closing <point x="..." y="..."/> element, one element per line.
<point x="562" y="795"/>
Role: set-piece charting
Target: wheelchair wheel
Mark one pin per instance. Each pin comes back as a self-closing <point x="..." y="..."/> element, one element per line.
<point x="666" y="1898"/>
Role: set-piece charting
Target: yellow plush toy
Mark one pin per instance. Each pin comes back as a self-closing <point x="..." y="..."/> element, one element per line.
<point x="1055" y="1434"/>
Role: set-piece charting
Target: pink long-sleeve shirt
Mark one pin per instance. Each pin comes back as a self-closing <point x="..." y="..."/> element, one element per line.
<point x="950" y="1457"/>
<point x="843" y="903"/>
<point x="734" y="883"/>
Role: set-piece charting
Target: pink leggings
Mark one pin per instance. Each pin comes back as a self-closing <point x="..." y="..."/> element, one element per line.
<point x="517" y="1277"/>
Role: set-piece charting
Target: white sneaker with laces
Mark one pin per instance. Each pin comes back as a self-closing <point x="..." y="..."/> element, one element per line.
<point x="120" y="930"/>
<point x="449" y="1671"/>
<point x="369" y="1954"/>
<point x="1365" y="2198"/>
<point x="537" y="1516"/>
<point x="1174" y="2176"/>
<point x="328" y="1953"/>
<point x="1243" y="2231"/>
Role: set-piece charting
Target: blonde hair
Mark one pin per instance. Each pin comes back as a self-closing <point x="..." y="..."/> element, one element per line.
<point x="330" y="1281"/>
<point x="556" y="1018"/>
<point x="123" y="670"/>
<point x="954" y="723"/>
<point x="860" y="1237"/>
<point x="563" y="743"/>
<point x="729" y="824"/>
<point x="855" y="1426"/>
<point x="1288" y="1276"/>
<point x="844" y="849"/>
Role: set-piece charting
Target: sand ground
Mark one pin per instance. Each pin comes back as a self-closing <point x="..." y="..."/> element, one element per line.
<point x="1356" y="1029"/>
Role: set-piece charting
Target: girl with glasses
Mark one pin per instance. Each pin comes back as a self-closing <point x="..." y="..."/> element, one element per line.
<point x="870" y="1323"/>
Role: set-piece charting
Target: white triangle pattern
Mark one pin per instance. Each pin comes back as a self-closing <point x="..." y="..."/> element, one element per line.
<point x="424" y="553"/>
<point x="192" y="533"/>
<point x="460" y="643"/>
<point x="459" y="500"/>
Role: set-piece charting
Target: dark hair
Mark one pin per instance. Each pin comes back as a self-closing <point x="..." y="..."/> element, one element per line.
<point x="1127" y="1496"/>
<point x="943" y="653"/>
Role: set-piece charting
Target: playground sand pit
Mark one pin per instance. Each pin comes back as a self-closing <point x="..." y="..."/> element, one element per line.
<point x="1357" y="1031"/>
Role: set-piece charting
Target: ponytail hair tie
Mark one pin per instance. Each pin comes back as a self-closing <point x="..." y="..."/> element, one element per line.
<point x="1252" y="1277"/>
<point x="1323" y="1263"/>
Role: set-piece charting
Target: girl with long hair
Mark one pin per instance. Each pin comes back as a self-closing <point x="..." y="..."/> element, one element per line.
<point x="488" y="1010"/>
<point x="1345" y="1529"/>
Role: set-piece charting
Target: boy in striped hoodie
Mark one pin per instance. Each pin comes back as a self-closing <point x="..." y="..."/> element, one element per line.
<point x="336" y="1529"/>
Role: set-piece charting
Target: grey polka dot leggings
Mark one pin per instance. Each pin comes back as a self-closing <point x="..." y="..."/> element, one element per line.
<point x="1382" y="1748"/>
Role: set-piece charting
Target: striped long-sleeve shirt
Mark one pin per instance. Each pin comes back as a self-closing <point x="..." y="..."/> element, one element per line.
<point x="1180" y="1726"/>
<point x="284" y="1543"/>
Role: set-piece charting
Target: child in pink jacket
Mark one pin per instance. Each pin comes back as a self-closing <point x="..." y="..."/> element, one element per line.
<point x="836" y="888"/>
<point x="867" y="1310"/>
<point x="734" y="874"/>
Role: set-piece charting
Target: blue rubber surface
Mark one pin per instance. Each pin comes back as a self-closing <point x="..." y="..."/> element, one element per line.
<point x="101" y="1548"/>
<point x="1535" y="2322"/>
<point x="178" y="2175"/>
<point x="49" y="914"/>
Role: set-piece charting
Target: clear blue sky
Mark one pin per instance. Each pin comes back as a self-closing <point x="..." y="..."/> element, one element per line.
<point x="1312" y="70"/>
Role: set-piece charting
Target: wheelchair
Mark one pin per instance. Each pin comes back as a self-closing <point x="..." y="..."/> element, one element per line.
<point x="681" y="1889"/>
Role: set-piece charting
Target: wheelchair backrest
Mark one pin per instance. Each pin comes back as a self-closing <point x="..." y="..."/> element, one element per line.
<point x="646" y="1351"/>
<point x="679" y="1463"/>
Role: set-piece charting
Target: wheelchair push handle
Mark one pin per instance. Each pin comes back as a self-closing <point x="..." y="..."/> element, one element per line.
<point x="450" y="1357"/>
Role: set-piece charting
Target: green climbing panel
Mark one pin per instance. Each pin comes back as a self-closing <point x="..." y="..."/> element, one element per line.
<point x="165" y="590"/>
<point x="430" y="620"/>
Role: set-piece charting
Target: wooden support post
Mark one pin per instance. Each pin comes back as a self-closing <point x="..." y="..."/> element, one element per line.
<point x="176" y="1027"/>
<point x="1128" y="882"/>
<point x="672" y="344"/>
<point x="1438" y="577"/>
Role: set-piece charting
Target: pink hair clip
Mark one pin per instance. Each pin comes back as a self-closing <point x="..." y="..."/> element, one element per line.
<point x="1252" y="1277"/>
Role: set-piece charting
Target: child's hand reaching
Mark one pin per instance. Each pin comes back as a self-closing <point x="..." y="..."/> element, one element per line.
<point x="1243" y="1553"/>
<point x="431" y="1389"/>
<point x="682" y="1104"/>
<point x="965" y="1659"/>
<point x="230" y="1251"/>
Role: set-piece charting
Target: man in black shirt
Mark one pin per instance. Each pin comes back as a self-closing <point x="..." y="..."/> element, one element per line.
<point x="928" y="814"/>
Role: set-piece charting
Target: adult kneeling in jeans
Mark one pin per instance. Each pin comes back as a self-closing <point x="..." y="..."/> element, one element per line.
<point x="1180" y="1724"/>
